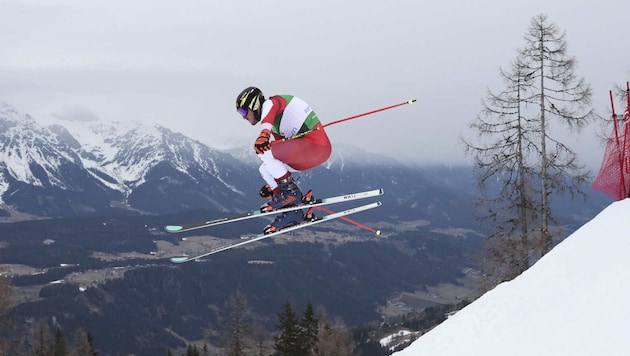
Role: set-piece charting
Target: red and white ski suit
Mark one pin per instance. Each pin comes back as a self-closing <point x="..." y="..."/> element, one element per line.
<point x="287" y="116"/>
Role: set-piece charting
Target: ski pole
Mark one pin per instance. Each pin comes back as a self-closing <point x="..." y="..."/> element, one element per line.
<point x="371" y="112"/>
<point x="353" y="222"/>
<point x="348" y="118"/>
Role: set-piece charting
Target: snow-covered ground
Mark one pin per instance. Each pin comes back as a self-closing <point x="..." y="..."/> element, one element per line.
<point x="574" y="301"/>
<point x="397" y="339"/>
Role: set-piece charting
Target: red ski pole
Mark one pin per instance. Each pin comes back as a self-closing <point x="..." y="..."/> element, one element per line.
<point x="372" y="112"/>
<point x="354" y="222"/>
<point x="349" y="118"/>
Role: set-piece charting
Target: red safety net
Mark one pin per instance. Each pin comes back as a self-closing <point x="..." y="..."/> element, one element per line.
<point x="614" y="174"/>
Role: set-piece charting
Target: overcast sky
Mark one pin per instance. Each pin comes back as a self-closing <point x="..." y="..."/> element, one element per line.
<point x="181" y="64"/>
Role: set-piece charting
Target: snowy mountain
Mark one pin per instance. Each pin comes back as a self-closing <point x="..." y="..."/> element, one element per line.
<point x="574" y="301"/>
<point x="99" y="165"/>
<point x="25" y="144"/>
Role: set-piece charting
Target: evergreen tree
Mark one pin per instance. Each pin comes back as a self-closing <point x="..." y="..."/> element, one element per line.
<point x="83" y="344"/>
<point x="59" y="347"/>
<point x="309" y="330"/>
<point x="42" y="339"/>
<point x="191" y="350"/>
<point x="91" y="345"/>
<point x="287" y="343"/>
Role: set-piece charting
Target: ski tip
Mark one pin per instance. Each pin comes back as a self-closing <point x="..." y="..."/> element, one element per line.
<point x="181" y="259"/>
<point x="173" y="228"/>
<point x="411" y="101"/>
<point x="378" y="232"/>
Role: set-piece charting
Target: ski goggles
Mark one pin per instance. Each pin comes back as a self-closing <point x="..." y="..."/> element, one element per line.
<point x="242" y="111"/>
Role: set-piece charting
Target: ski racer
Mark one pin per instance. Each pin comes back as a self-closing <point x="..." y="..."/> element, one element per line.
<point x="291" y="139"/>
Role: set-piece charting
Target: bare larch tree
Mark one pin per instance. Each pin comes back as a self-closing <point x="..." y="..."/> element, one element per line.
<point x="518" y="162"/>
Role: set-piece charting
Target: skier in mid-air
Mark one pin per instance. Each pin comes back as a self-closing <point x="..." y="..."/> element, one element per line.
<point x="291" y="139"/>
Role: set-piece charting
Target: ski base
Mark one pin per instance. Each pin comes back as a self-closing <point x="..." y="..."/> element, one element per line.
<point x="259" y="237"/>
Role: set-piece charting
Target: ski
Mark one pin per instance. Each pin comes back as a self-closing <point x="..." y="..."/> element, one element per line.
<point x="259" y="237"/>
<point x="258" y="213"/>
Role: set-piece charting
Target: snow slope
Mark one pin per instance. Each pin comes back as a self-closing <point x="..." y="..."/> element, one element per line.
<point x="574" y="301"/>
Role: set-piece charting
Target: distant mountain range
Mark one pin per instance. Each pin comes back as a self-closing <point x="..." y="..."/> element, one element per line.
<point x="90" y="168"/>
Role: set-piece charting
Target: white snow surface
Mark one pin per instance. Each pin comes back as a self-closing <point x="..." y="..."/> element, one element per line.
<point x="574" y="301"/>
<point x="387" y="340"/>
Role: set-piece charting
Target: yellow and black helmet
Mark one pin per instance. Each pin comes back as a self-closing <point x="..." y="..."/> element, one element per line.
<point x="251" y="98"/>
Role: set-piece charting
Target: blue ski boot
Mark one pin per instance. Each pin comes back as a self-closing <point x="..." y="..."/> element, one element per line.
<point x="288" y="219"/>
<point x="288" y="194"/>
<point x="284" y="220"/>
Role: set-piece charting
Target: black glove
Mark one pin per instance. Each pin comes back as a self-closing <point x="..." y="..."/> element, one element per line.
<point x="266" y="191"/>
<point x="262" y="142"/>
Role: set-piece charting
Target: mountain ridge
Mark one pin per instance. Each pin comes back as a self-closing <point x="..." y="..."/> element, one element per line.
<point x="109" y="161"/>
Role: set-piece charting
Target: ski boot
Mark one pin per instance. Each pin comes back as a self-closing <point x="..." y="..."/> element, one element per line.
<point x="267" y="192"/>
<point x="287" y="194"/>
<point x="283" y="221"/>
<point x="289" y="219"/>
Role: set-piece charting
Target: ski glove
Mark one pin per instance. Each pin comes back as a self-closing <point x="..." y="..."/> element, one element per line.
<point x="266" y="191"/>
<point x="262" y="142"/>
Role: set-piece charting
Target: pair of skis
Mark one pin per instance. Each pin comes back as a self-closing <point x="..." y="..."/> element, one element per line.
<point x="257" y="213"/>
